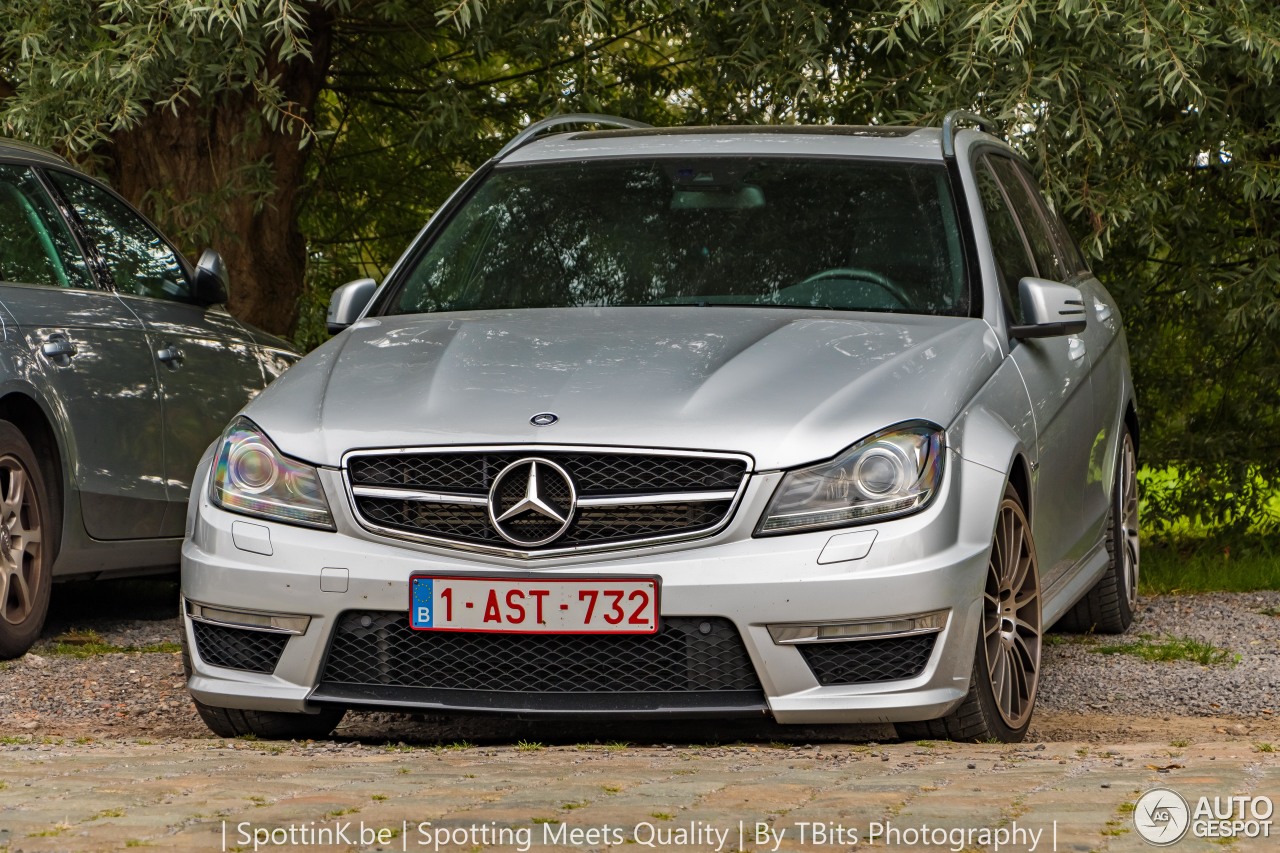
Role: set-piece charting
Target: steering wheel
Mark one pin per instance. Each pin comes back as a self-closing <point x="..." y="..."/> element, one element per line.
<point x="856" y="274"/>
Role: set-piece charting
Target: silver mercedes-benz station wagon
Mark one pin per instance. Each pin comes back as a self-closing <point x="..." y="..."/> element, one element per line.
<point x="819" y="424"/>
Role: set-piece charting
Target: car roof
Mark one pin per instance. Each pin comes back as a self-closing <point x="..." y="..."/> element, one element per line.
<point x="878" y="142"/>
<point x="13" y="149"/>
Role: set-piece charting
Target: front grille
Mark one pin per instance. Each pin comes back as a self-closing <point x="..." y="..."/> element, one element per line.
<point x="235" y="648"/>
<point x="593" y="473"/>
<point x="692" y="495"/>
<point x="867" y="661"/>
<point x="375" y="657"/>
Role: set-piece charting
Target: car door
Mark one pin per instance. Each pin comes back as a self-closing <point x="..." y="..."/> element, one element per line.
<point x="90" y="359"/>
<point x="1055" y="370"/>
<point x="207" y="366"/>
<point x="1107" y="359"/>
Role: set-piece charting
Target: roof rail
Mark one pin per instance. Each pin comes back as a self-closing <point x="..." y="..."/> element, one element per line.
<point x="949" y="129"/>
<point x="32" y="149"/>
<point x="526" y="136"/>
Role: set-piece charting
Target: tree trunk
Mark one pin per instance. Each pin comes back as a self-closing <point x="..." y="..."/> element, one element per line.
<point x="220" y="176"/>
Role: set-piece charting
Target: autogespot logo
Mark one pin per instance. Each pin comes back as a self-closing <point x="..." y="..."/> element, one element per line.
<point x="1161" y="817"/>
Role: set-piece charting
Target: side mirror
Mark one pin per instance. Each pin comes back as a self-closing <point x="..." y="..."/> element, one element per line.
<point x="1050" y="309"/>
<point x="211" y="279"/>
<point x="348" y="302"/>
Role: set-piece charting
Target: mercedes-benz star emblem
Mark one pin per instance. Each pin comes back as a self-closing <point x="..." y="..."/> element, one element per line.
<point x="531" y="502"/>
<point x="544" y="419"/>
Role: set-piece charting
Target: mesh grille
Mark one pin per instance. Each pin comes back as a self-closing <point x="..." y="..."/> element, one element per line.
<point x="251" y="651"/>
<point x="594" y="475"/>
<point x="592" y="524"/>
<point x="687" y="655"/>
<point x="866" y="661"/>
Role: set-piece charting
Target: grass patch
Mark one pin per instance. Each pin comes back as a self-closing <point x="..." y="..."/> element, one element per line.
<point x="458" y="746"/>
<point x="1264" y="747"/>
<point x="54" y="831"/>
<point x="397" y="747"/>
<point x="528" y="746"/>
<point x="661" y="815"/>
<point x="1150" y="648"/>
<point x="86" y="644"/>
<point x="546" y="820"/>
<point x="1196" y="564"/>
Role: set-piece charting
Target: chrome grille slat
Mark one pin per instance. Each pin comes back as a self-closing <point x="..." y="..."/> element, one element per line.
<point x="625" y="497"/>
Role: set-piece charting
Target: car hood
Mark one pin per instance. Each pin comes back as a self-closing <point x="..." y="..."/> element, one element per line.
<point x="786" y="386"/>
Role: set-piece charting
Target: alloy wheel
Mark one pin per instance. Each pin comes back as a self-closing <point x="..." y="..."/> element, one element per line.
<point x="20" y="542"/>
<point x="1128" y="533"/>
<point x="1011" y="617"/>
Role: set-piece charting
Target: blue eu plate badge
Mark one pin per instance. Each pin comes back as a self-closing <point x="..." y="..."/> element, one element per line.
<point x="422" y="614"/>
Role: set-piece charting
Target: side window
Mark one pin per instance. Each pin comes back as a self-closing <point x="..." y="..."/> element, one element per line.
<point x="1012" y="261"/>
<point x="1044" y="248"/>
<point x="36" y="246"/>
<point x="140" y="261"/>
<point x="1074" y="256"/>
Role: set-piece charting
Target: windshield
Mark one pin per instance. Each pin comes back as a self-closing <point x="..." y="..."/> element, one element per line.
<point x="816" y="233"/>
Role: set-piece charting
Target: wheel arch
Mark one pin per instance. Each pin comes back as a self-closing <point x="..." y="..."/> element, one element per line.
<point x="1020" y="479"/>
<point x="25" y="413"/>
<point x="1131" y="421"/>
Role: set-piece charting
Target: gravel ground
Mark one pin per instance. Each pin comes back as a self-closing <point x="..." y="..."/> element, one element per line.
<point x="1078" y="679"/>
<point x="1084" y="695"/>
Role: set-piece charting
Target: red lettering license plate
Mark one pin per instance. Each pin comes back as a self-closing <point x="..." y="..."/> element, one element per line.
<point x="534" y="605"/>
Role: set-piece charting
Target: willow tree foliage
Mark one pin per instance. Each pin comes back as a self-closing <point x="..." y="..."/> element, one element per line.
<point x="309" y="139"/>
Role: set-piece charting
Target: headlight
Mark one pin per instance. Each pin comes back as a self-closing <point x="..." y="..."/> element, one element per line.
<point x="891" y="473"/>
<point x="250" y="476"/>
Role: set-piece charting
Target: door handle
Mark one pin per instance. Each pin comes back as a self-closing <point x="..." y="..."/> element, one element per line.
<point x="170" y="355"/>
<point x="59" y="350"/>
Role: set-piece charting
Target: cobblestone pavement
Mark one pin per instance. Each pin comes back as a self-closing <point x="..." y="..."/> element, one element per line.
<point x="184" y="794"/>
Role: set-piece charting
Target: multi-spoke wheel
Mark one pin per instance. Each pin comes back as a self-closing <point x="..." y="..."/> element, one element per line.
<point x="1109" y="606"/>
<point x="25" y="558"/>
<point x="1011" y="617"/>
<point x="1006" y="667"/>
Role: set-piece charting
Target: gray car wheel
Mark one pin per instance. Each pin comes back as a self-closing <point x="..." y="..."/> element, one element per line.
<point x="1109" y="606"/>
<point x="1006" y="667"/>
<point x="26" y="558"/>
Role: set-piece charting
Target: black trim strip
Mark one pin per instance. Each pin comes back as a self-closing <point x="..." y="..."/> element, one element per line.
<point x="721" y="704"/>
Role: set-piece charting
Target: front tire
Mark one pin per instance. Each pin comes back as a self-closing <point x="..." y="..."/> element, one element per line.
<point x="1109" y="606"/>
<point x="27" y="537"/>
<point x="269" y="725"/>
<point x="1006" y="665"/>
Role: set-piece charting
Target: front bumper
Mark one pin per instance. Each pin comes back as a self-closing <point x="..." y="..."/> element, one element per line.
<point x="932" y="561"/>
